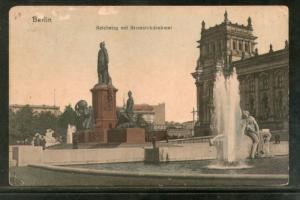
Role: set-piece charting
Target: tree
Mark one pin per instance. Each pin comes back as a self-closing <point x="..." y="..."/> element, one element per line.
<point x="24" y="123"/>
<point x="44" y="121"/>
<point x="67" y="117"/>
<point x="21" y="124"/>
<point x="13" y="129"/>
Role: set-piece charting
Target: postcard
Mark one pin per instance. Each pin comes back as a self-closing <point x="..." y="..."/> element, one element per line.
<point x="149" y="96"/>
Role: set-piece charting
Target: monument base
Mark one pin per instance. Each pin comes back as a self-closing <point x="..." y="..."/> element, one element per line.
<point x="126" y="135"/>
<point x="86" y="136"/>
<point x="113" y="136"/>
<point x="104" y="106"/>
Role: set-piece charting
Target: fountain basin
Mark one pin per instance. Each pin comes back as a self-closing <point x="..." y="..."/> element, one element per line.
<point x="188" y="172"/>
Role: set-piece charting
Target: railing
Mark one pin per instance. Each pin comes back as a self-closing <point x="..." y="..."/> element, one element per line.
<point x="203" y="139"/>
<point x="158" y="127"/>
<point x="180" y="132"/>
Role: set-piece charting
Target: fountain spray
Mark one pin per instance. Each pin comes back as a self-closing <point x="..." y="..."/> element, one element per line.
<point x="227" y="112"/>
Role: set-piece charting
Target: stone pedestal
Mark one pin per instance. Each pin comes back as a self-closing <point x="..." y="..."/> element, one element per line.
<point x="126" y="135"/>
<point x="87" y="136"/>
<point x="151" y="155"/>
<point x="135" y="136"/>
<point x="104" y="106"/>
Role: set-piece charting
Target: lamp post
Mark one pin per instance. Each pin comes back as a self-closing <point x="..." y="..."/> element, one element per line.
<point x="193" y="112"/>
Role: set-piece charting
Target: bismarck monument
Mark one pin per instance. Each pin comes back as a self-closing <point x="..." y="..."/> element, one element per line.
<point x="103" y="98"/>
<point x="105" y="126"/>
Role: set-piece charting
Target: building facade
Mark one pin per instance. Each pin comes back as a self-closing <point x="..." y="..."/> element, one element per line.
<point x="146" y="111"/>
<point x="37" y="108"/>
<point x="160" y="113"/>
<point x="264" y="79"/>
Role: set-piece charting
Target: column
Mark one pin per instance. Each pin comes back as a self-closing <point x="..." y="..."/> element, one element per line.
<point x="272" y="95"/>
<point x="250" y="48"/>
<point x="243" y="45"/>
<point x="257" y="97"/>
<point x="198" y="100"/>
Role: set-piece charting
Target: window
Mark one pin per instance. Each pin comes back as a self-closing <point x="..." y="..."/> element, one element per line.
<point x="265" y="83"/>
<point x="213" y="48"/>
<point x="211" y="89"/>
<point x="242" y="85"/>
<point x="247" y="47"/>
<point x="240" y="45"/>
<point x="265" y="110"/>
<point x="280" y="81"/>
<point x="251" y="85"/>
<point x="251" y="106"/>
<point x="208" y="49"/>
<point x="234" y="44"/>
<point x="220" y="47"/>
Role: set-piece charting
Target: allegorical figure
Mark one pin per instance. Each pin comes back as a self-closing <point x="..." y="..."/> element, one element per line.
<point x="125" y="117"/>
<point x="103" y="60"/>
<point x="251" y="129"/>
<point x="85" y="115"/>
<point x="129" y="104"/>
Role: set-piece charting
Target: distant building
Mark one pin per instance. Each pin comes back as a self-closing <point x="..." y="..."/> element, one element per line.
<point x="188" y="125"/>
<point x="264" y="79"/>
<point x="160" y="113"/>
<point x="179" y="133"/>
<point x="147" y="112"/>
<point x="37" y="108"/>
<point x="153" y="114"/>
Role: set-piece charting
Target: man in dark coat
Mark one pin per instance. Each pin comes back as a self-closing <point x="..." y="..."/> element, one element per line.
<point x="103" y="60"/>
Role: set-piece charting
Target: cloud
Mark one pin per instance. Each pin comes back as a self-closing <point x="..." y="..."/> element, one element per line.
<point x="107" y="11"/>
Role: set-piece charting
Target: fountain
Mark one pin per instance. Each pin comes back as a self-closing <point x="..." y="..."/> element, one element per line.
<point x="226" y="119"/>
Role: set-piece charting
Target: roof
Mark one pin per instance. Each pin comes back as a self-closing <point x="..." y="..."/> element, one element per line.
<point x="35" y="106"/>
<point x="234" y="29"/>
<point x="142" y="107"/>
<point x="263" y="62"/>
<point x="266" y="57"/>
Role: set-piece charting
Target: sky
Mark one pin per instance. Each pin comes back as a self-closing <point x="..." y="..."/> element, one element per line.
<point x="56" y="63"/>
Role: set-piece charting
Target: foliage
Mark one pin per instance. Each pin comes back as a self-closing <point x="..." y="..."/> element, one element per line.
<point x="67" y="117"/>
<point x="24" y="123"/>
<point x="21" y="125"/>
<point x="44" y="121"/>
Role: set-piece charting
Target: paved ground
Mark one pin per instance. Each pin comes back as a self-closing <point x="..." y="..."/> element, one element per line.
<point x="29" y="176"/>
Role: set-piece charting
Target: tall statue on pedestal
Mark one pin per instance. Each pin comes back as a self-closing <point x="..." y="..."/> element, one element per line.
<point x="103" y="60"/>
